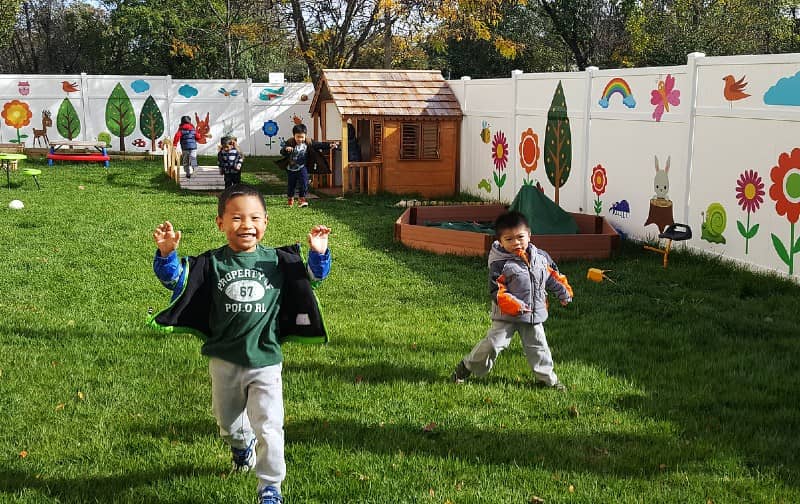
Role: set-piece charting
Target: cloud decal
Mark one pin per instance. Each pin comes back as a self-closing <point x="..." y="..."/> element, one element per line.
<point x="187" y="91"/>
<point x="140" y="86"/>
<point x="785" y="92"/>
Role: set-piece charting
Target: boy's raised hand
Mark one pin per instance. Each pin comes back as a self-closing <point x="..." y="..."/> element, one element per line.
<point x="318" y="238"/>
<point x="166" y="238"/>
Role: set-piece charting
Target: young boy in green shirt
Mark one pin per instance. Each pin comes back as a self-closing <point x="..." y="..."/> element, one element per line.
<point x="243" y="299"/>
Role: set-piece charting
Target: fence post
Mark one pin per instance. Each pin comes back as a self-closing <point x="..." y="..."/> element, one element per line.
<point x="514" y="153"/>
<point x="691" y="72"/>
<point x="84" y="105"/>
<point x="168" y="94"/>
<point x="247" y="118"/>
<point x="464" y="126"/>
<point x="587" y="131"/>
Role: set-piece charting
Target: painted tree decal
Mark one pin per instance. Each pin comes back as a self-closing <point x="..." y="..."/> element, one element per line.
<point x="558" y="142"/>
<point x="120" y="117"/>
<point x="151" y="122"/>
<point x="67" y="120"/>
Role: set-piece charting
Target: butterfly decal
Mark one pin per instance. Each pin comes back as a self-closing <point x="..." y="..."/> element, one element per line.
<point x="664" y="96"/>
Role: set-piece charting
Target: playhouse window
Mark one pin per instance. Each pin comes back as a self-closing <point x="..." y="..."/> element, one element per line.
<point x="419" y="140"/>
<point x="377" y="138"/>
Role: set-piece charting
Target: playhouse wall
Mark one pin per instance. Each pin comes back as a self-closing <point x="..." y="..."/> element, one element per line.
<point x="236" y="107"/>
<point x="711" y="136"/>
<point x="428" y="178"/>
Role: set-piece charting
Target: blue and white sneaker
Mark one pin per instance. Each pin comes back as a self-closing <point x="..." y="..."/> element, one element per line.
<point x="270" y="495"/>
<point x="244" y="459"/>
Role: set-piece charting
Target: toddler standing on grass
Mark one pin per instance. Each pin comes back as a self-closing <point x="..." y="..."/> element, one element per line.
<point x="519" y="273"/>
<point x="229" y="161"/>
<point x="301" y="156"/>
<point x="244" y="299"/>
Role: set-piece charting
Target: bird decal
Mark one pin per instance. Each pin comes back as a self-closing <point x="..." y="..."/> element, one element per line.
<point x="69" y="87"/>
<point x="270" y="93"/>
<point x="734" y="89"/>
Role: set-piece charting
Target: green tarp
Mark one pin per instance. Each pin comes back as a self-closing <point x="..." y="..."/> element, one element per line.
<point x="544" y="216"/>
<point x="473" y="227"/>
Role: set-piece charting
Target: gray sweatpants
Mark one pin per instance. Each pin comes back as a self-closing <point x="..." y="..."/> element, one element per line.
<point x="534" y="343"/>
<point x="189" y="161"/>
<point x="247" y="403"/>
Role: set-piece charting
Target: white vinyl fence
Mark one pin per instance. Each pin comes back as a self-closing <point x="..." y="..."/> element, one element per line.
<point x="134" y="113"/>
<point x="727" y="128"/>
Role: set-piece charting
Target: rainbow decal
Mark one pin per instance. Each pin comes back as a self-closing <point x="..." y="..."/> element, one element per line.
<point x="617" y="85"/>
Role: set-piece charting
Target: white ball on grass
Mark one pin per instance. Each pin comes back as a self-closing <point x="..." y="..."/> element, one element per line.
<point x="16" y="205"/>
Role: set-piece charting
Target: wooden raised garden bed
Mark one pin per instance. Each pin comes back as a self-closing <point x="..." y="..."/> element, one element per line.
<point x="596" y="238"/>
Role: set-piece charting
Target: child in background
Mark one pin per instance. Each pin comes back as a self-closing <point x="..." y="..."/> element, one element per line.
<point x="187" y="137"/>
<point x="519" y="273"/>
<point x="243" y="299"/>
<point x="230" y="161"/>
<point x="301" y="157"/>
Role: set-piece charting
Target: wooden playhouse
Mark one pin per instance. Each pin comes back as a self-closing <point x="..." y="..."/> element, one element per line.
<point x="406" y="125"/>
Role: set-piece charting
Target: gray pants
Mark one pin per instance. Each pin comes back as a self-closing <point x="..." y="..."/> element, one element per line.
<point x="248" y="403"/>
<point x="534" y="343"/>
<point x="189" y="160"/>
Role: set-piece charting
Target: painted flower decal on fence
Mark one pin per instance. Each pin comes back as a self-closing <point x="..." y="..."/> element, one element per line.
<point x="270" y="129"/>
<point x="500" y="159"/>
<point x="499" y="150"/>
<point x="785" y="190"/>
<point x="599" y="182"/>
<point x="664" y="96"/>
<point x="529" y="153"/>
<point x="750" y="194"/>
<point x="17" y="114"/>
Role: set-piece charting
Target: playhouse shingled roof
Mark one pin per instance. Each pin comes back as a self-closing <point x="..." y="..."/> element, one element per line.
<point x="396" y="93"/>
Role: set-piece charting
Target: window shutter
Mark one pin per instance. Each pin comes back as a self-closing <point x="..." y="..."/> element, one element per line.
<point x="409" y="141"/>
<point x="377" y="138"/>
<point x="430" y="140"/>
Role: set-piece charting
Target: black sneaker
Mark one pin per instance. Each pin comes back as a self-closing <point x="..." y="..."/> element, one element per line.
<point x="461" y="373"/>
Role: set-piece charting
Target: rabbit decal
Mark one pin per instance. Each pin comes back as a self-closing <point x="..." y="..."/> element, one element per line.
<point x="661" y="181"/>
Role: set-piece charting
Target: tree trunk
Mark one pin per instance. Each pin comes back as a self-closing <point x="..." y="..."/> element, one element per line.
<point x="29" y="29"/>
<point x="387" y="38"/>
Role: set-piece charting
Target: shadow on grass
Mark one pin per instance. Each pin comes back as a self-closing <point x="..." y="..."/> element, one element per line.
<point x="184" y="432"/>
<point x="369" y="373"/>
<point x="100" y="488"/>
<point x="608" y="453"/>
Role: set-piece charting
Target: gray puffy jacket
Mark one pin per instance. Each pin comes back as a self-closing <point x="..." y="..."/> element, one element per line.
<point x="518" y="289"/>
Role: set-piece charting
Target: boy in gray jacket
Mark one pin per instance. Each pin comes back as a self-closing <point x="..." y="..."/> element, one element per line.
<point x="519" y="273"/>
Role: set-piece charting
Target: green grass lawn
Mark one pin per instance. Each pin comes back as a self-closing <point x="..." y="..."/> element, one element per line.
<point x="683" y="383"/>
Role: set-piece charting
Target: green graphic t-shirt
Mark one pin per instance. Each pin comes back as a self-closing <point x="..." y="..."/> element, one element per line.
<point x="245" y="301"/>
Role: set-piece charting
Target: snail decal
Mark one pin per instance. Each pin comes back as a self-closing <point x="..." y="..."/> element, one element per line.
<point x="714" y="222"/>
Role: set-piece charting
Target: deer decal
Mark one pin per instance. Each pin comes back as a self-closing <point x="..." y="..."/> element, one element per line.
<point x="38" y="134"/>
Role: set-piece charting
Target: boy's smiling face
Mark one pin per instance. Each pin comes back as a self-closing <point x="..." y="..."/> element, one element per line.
<point x="244" y="222"/>
<point x="515" y="239"/>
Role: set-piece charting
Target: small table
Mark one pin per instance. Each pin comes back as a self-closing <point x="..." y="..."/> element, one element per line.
<point x="5" y="160"/>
